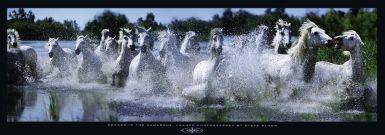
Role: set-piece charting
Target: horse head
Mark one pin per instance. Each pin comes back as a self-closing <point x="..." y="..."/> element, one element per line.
<point x="12" y="38"/>
<point x="315" y="36"/>
<point x="111" y="45"/>
<point x="53" y="46"/>
<point x="145" y="40"/>
<point x="82" y="44"/>
<point x="283" y="29"/>
<point x="216" y="41"/>
<point x="348" y="41"/>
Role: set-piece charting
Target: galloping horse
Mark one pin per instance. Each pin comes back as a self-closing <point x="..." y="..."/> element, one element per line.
<point x="300" y="63"/>
<point x="146" y="63"/>
<point x="62" y="58"/>
<point x="21" y="60"/>
<point x="205" y="72"/>
<point x="281" y="41"/>
<point x="90" y="69"/>
<point x="122" y="64"/>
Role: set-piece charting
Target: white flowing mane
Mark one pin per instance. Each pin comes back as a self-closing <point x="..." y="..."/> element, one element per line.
<point x="298" y="51"/>
<point x="14" y="32"/>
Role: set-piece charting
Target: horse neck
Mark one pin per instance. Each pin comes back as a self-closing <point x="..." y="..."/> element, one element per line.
<point x="102" y="42"/>
<point x="357" y="66"/>
<point x="125" y="50"/>
<point x="308" y="64"/>
<point x="214" y="57"/>
<point x="183" y="47"/>
<point x="276" y="41"/>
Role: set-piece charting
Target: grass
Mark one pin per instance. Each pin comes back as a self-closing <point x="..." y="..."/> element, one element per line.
<point x="53" y="109"/>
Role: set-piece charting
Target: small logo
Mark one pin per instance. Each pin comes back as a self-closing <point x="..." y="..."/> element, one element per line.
<point x="192" y="130"/>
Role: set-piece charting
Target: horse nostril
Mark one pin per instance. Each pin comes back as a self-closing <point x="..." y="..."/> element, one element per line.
<point x="77" y="51"/>
<point x="50" y="54"/>
<point x="282" y="33"/>
<point x="14" y="44"/>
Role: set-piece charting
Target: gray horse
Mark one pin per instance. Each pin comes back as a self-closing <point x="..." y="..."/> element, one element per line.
<point x="90" y="69"/>
<point x="21" y="60"/>
<point x="121" y="69"/>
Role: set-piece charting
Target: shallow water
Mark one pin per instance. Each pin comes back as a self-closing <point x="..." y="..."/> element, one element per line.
<point x="68" y="100"/>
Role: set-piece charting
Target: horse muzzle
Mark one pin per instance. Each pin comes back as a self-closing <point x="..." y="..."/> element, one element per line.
<point x="329" y="43"/>
<point x="338" y="42"/>
<point x="77" y="51"/>
<point x="50" y="54"/>
<point x="143" y="48"/>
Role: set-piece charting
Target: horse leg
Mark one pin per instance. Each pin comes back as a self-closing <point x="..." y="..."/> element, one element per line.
<point x="81" y="75"/>
<point x="113" y="79"/>
<point x="101" y="77"/>
<point x="122" y="79"/>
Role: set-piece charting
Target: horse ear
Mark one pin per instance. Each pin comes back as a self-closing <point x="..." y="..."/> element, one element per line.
<point x="148" y="29"/>
<point x="57" y="39"/>
<point x="309" y="29"/>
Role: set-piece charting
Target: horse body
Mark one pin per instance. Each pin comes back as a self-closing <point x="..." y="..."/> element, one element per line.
<point x="122" y="63"/>
<point x="90" y="69"/>
<point x="100" y="51"/>
<point x="205" y="72"/>
<point x="62" y="58"/>
<point x="298" y="66"/>
<point x="145" y="63"/>
<point x="22" y="60"/>
<point x="349" y="75"/>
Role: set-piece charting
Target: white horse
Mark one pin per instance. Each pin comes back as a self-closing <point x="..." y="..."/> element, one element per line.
<point x="62" y="58"/>
<point x="145" y="64"/>
<point x="298" y="66"/>
<point x="281" y="41"/>
<point x="205" y="72"/>
<point x="112" y="50"/>
<point x="189" y="44"/>
<point x="121" y="69"/>
<point x="21" y="60"/>
<point x="327" y="72"/>
<point x="101" y="49"/>
<point x="90" y="69"/>
<point x="256" y="41"/>
<point x="349" y="75"/>
<point x="168" y="51"/>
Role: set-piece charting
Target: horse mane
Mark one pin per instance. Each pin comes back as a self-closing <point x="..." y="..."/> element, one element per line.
<point x="298" y="51"/>
<point x="14" y="31"/>
<point x="281" y="23"/>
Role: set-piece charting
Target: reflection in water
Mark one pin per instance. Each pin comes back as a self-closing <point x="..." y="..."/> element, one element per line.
<point x="33" y="104"/>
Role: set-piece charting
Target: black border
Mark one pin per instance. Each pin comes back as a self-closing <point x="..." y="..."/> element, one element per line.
<point x="309" y="127"/>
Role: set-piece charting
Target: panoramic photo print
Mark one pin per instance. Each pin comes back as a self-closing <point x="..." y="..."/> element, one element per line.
<point x="191" y="64"/>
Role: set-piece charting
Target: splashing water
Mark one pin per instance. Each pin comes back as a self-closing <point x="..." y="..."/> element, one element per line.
<point x="248" y="96"/>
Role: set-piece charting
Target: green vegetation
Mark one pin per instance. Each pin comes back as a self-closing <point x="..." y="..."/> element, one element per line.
<point x="363" y="21"/>
<point x="29" y="29"/>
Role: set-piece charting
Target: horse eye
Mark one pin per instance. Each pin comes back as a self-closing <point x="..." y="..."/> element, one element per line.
<point x="350" y="38"/>
<point x="315" y="33"/>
